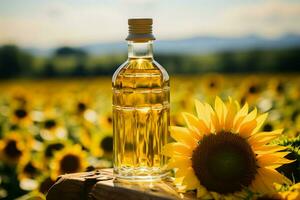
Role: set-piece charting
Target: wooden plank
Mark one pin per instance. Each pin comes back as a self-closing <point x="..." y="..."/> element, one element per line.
<point x="101" y="184"/>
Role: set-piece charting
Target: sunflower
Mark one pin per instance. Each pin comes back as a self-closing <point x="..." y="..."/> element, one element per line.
<point x="13" y="147"/>
<point x="106" y="143"/>
<point x="250" y="91"/>
<point x="68" y="160"/>
<point x="20" y="96"/>
<point x="50" y="147"/>
<point x="293" y="193"/>
<point x="82" y="104"/>
<point x="213" y="84"/>
<point x="277" y="87"/>
<point x="222" y="152"/>
<point x="21" y="117"/>
<point x="106" y="121"/>
<point x="102" y="145"/>
<point x="28" y="169"/>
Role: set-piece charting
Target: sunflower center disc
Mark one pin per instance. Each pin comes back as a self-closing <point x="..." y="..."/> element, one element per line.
<point x="11" y="149"/>
<point x="224" y="162"/>
<point x="107" y="144"/>
<point x="70" y="163"/>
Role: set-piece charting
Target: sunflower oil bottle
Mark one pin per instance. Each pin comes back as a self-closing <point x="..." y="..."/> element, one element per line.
<point x="141" y="96"/>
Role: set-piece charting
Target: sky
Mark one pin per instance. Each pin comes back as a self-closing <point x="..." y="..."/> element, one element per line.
<point x="50" y="23"/>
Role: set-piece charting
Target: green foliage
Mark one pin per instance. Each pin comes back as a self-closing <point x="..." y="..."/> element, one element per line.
<point x="291" y="170"/>
<point x="67" y="61"/>
<point x="14" y="62"/>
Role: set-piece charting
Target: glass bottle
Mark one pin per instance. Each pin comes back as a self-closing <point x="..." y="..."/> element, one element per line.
<point x="141" y="97"/>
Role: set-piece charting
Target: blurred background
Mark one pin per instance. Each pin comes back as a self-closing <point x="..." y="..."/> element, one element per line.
<point x="57" y="58"/>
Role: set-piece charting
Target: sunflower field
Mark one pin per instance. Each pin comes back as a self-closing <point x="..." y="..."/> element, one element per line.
<point x="57" y="126"/>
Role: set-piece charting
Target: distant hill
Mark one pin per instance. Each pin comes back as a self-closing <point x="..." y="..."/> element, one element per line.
<point x="194" y="45"/>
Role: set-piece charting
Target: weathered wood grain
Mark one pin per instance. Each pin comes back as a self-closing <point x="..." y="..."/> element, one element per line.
<point x="101" y="184"/>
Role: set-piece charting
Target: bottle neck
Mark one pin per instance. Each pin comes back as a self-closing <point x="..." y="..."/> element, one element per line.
<point x="140" y="49"/>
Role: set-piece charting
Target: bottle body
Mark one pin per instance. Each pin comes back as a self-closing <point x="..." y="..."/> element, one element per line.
<point x="140" y="115"/>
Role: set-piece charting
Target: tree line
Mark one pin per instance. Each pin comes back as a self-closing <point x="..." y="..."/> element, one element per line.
<point x="68" y="61"/>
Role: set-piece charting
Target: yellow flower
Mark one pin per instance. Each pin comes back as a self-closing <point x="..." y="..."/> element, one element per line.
<point x="68" y="160"/>
<point x="21" y="117"/>
<point x="221" y="152"/>
<point x="106" y="122"/>
<point x="52" y="126"/>
<point x="277" y="87"/>
<point x="50" y="147"/>
<point x="213" y="84"/>
<point x="250" y="91"/>
<point x="13" y="146"/>
<point x="28" y="169"/>
<point x="292" y="194"/>
<point x="102" y="145"/>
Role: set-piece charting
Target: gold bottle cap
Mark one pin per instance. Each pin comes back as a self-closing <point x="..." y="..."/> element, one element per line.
<point x="140" y="30"/>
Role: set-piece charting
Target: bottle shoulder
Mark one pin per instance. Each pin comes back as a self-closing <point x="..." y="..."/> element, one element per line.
<point x="141" y="67"/>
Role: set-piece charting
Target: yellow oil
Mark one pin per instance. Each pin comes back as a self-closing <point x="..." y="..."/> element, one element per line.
<point x="140" y="119"/>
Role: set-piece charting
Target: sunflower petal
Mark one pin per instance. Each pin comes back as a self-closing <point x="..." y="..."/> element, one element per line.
<point x="193" y="121"/>
<point x="178" y="180"/>
<point x="172" y="149"/>
<point x="195" y="133"/>
<point x="183" y="135"/>
<point x="190" y="179"/>
<point x="247" y="128"/>
<point x="251" y="116"/>
<point x="202" y="112"/>
<point x="239" y="117"/>
<point x="200" y="109"/>
<point x="180" y="172"/>
<point x="262" y="138"/>
<point x="179" y="162"/>
<point x="208" y="111"/>
<point x="268" y="184"/>
<point x="215" y="122"/>
<point x="216" y="196"/>
<point x="259" y="186"/>
<point x="272" y="176"/>
<point x="221" y="111"/>
<point x="260" y="121"/>
<point x="268" y="149"/>
<point x="202" y="192"/>
<point x="231" y="111"/>
<point x="273" y="160"/>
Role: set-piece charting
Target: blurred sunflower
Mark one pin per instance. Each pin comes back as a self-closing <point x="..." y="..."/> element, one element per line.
<point x="250" y="91"/>
<point x="293" y="193"/>
<point x="106" y="143"/>
<point x="20" y="97"/>
<point x="28" y="169"/>
<point x="81" y="106"/>
<point x="50" y="147"/>
<point x="52" y="126"/>
<point x="20" y="116"/>
<point x="83" y="103"/>
<point x="277" y="87"/>
<point x="106" y="122"/>
<point x="12" y="147"/>
<point x="213" y="84"/>
<point x="70" y="159"/>
<point x="221" y="146"/>
<point x="102" y="145"/>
